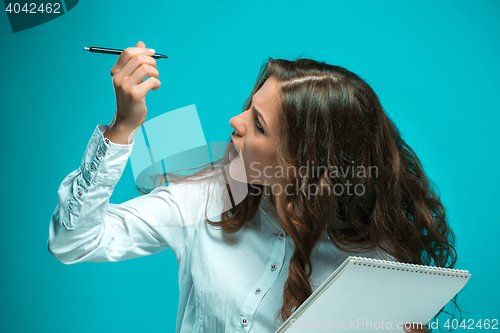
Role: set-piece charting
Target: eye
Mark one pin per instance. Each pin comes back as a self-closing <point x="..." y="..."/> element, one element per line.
<point x="259" y="126"/>
<point x="257" y="122"/>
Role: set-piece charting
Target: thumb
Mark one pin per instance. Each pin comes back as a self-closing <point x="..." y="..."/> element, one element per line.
<point x="140" y="44"/>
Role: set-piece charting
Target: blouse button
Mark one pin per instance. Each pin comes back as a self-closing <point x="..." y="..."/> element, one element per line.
<point x="99" y="152"/>
<point x="243" y="321"/>
<point x="257" y="291"/>
<point x="273" y="267"/>
<point x="79" y="191"/>
<point x="282" y="235"/>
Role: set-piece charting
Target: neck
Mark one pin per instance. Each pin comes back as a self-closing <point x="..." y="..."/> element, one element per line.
<point x="269" y="195"/>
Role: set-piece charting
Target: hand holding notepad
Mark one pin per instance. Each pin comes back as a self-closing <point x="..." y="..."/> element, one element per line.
<point x="367" y="295"/>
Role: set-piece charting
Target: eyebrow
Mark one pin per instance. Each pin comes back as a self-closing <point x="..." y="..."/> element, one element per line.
<point x="258" y="113"/>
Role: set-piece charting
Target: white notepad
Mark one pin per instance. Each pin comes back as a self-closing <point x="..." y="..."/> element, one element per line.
<point x="371" y="295"/>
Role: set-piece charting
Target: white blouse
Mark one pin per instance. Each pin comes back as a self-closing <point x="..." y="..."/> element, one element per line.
<point x="227" y="283"/>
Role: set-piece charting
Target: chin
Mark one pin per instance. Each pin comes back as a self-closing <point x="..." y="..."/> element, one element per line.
<point x="237" y="170"/>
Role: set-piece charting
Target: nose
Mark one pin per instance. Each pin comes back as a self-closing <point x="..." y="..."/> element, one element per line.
<point x="237" y="122"/>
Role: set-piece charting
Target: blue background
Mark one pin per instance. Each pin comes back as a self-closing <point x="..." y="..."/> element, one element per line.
<point x="434" y="66"/>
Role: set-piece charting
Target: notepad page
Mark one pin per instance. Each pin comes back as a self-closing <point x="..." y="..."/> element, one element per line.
<point x="378" y="294"/>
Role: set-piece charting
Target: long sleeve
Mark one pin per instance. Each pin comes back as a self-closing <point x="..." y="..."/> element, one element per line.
<point x="85" y="227"/>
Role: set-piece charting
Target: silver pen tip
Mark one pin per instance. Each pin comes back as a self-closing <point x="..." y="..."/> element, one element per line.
<point x="86" y="48"/>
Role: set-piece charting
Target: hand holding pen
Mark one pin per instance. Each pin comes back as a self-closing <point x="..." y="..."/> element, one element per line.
<point x="133" y="65"/>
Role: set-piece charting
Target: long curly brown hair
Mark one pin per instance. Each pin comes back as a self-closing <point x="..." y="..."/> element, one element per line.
<point x="331" y="118"/>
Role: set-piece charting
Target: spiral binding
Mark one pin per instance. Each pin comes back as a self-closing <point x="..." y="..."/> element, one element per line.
<point x="413" y="267"/>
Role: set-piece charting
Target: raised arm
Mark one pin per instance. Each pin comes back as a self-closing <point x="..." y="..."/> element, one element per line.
<point x="85" y="227"/>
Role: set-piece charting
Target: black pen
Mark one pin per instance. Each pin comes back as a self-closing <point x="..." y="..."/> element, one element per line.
<point x="116" y="51"/>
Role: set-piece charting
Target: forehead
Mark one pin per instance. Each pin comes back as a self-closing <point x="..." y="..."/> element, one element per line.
<point x="266" y="99"/>
<point x="269" y="90"/>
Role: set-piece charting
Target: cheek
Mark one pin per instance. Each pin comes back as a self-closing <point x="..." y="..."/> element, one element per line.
<point x="257" y="155"/>
<point x="267" y="157"/>
<point x="257" y="160"/>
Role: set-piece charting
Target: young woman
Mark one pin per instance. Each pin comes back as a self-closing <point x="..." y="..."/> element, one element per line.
<point x="325" y="175"/>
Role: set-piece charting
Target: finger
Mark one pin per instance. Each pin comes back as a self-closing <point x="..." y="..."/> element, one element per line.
<point x="151" y="83"/>
<point x="139" y="75"/>
<point x="140" y="44"/>
<point x="135" y="64"/>
<point x="127" y="55"/>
